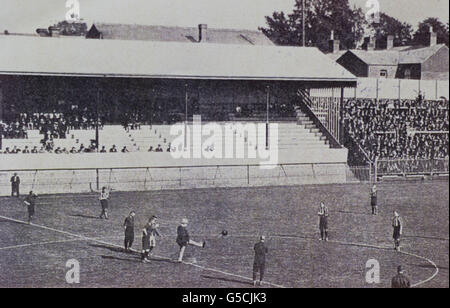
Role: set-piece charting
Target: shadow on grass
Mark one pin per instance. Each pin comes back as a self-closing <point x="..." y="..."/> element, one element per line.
<point x="427" y="237"/>
<point x="85" y="216"/>
<point x="247" y="283"/>
<point x="134" y="260"/>
<point x="111" y="248"/>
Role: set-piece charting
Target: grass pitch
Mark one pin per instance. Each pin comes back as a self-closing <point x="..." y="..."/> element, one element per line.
<point x="67" y="227"/>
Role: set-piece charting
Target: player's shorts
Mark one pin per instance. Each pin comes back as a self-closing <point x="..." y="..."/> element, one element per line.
<point x="152" y="241"/>
<point x="104" y="204"/>
<point x="182" y="243"/>
<point x="323" y="223"/>
<point x="30" y="210"/>
<point x="129" y="234"/>
<point x="396" y="235"/>
<point x="258" y="266"/>
<point x="145" y="243"/>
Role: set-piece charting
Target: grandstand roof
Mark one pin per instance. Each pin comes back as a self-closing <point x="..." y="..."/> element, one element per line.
<point x="144" y="59"/>
<point x="177" y="34"/>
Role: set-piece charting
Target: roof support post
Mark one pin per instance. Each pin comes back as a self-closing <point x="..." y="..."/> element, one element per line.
<point x="97" y="137"/>
<point x="341" y="118"/>
<point x="186" y="115"/>
<point x="267" y="116"/>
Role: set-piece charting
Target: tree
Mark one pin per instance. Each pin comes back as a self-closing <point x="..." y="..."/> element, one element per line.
<point x="76" y="28"/>
<point x="321" y="18"/>
<point x="422" y="35"/>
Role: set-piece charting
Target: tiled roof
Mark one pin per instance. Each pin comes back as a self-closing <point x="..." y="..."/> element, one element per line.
<point x="180" y="34"/>
<point x="398" y="55"/>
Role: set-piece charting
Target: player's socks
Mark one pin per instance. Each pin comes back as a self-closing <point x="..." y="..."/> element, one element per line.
<point x="203" y="244"/>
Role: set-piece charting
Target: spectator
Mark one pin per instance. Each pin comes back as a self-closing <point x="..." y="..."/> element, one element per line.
<point x="15" y="185"/>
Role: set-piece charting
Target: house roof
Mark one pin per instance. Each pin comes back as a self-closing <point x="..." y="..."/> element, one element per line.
<point x="66" y="56"/>
<point x="377" y="57"/>
<point x="418" y="55"/>
<point x="179" y="34"/>
<point x="398" y="55"/>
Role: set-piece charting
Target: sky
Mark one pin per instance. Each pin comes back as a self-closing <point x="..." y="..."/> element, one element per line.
<point x="27" y="15"/>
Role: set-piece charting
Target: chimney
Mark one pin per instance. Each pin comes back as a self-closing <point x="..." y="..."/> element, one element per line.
<point x="433" y="37"/>
<point x="334" y="45"/>
<point x="372" y="43"/>
<point x="390" y="42"/>
<point x="202" y="33"/>
<point x="54" y="31"/>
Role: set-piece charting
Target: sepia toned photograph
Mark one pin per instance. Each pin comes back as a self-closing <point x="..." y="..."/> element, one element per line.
<point x="226" y="148"/>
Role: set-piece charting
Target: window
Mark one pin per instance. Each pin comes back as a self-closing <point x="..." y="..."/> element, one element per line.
<point x="383" y="74"/>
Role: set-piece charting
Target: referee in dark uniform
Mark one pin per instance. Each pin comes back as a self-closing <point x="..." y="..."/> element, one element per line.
<point x="30" y="201"/>
<point x="373" y="200"/>
<point x="129" y="231"/>
<point x="400" y="281"/>
<point x="259" y="263"/>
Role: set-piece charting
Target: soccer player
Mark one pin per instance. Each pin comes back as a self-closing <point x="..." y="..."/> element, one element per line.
<point x="373" y="200"/>
<point x="129" y="231"/>
<point x="183" y="239"/>
<point x="400" y="281"/>
<point x="30" y="201"/>
<point x="323" y="222"/>
<point x="397" y="224"/>
<point x="149" y="234"/>
<point x="259" y="263"/>
<point x="104" y="197"/>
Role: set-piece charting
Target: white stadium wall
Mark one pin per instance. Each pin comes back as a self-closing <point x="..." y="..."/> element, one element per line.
<point x="155" y="171"/>
<point x="391" y="89"/>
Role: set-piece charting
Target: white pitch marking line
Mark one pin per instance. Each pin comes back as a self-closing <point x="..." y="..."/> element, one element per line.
<point x="429" y="261"/>
<point x="115" y="245"/>
<point x="230" y="274"/>
<point x="39" y="244"/>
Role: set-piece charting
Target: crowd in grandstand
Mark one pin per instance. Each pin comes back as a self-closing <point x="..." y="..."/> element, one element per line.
<point x="52" y="125"/>
<point x="399" y="129"/>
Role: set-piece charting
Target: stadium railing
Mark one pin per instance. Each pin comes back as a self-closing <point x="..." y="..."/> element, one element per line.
<point x="411" y="167"/>
<point x="57" y="181"/>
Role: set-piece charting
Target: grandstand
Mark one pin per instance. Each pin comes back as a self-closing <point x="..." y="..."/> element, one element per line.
<point x="112" y="94"/>
<point x="129" y="107"/>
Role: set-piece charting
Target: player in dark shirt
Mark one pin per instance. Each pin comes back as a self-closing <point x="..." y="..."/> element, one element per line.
<point x="129" y="231"/>
<point x="149" y="234"/>
<point x="30" y="202"/>
<point x="397" y="225"/>
<point x="323" y="222"/>
<point x="400" y="281"/>
<point x="183" y="239"/>
<point x="373" y="200"/>
<point x="259" y="264"/>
